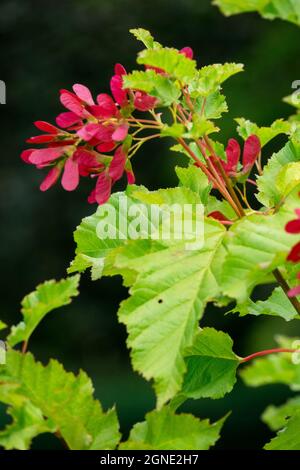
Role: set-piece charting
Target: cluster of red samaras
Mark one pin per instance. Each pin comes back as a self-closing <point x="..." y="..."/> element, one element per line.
<point x="86" y="133"/>
<point x="251" y="151"/>
<point x="294" y="255"/>
<point x="90" y="139"/>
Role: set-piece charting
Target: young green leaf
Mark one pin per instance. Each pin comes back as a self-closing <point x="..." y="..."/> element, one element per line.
<point x="155" y="84"/>
<point x="175" y="130"/>
<point x="292" y="100"/>
<point x="195" y="180"/>
<point x="47" y="297"/>
<point x="170" y="60"/>
<point x="211" y="106"/>
<point x="200" y="127"/>
<point x="265" y="134"/>
<point x="164" y="430"/>
<point x="210" y="78"/>
<point x="144" y="36"/>
<point x="63" y="398"/>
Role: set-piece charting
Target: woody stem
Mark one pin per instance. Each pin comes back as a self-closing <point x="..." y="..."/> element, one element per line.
<point x="227" y="187"/>
<point x="230" y="195"/>
<point x="285" y="287"/>
<point x="278" y="276"/>
<point x="225" y="177"/>
<point x="212" y="177"/>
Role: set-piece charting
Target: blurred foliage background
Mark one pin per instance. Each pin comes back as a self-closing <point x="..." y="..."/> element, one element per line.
<point x="47" y="46"/>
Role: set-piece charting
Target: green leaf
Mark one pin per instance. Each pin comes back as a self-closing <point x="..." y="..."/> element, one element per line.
<point x="28" y="422"/>
<point x="172" y="288"/>
<point x="175" y="130"/>
<point x="164" y="430"/>
<point x="65" y="399"/>
<point x="214" y="204"/>
<point x="219" y="150"/>
<point x="211" y="77"/>
<point x="2" y="325"/>
<point x="169" y="196"/>
<point x="171" y="61"/>
<point x="288" y="178"/>
<point x="288" y="10"/>
<point x="256" y="245"/>
<point x="211" y="366"/>
<point x="35" y="306"/>
<point x="211" y="106"/>
<point x="275" y="368"/>
<point x="289" y="437"/>
<point x="82" y="262"/>
<point x="200" y="127"/>
<point x="155" y="84"/>
<point x="194" y="179"/>
<point x="97" y="250"/>
<point x="293" y="100"/>
<point x="276" y="416"/>
<point x="277" y="305"/>
<point x="269" y="193"/>
<point x="144" y="36"/>
<point x="93" y="247"/>
<point x="265" y="134"/>
<point x="195" y="149"/>
<point x="295" y="120"/>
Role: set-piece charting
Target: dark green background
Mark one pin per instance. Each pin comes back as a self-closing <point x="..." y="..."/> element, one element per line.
<point x="45" y="46"/>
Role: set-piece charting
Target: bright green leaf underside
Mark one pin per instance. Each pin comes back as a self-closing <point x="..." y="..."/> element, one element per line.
<point x="168" y="299"/>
